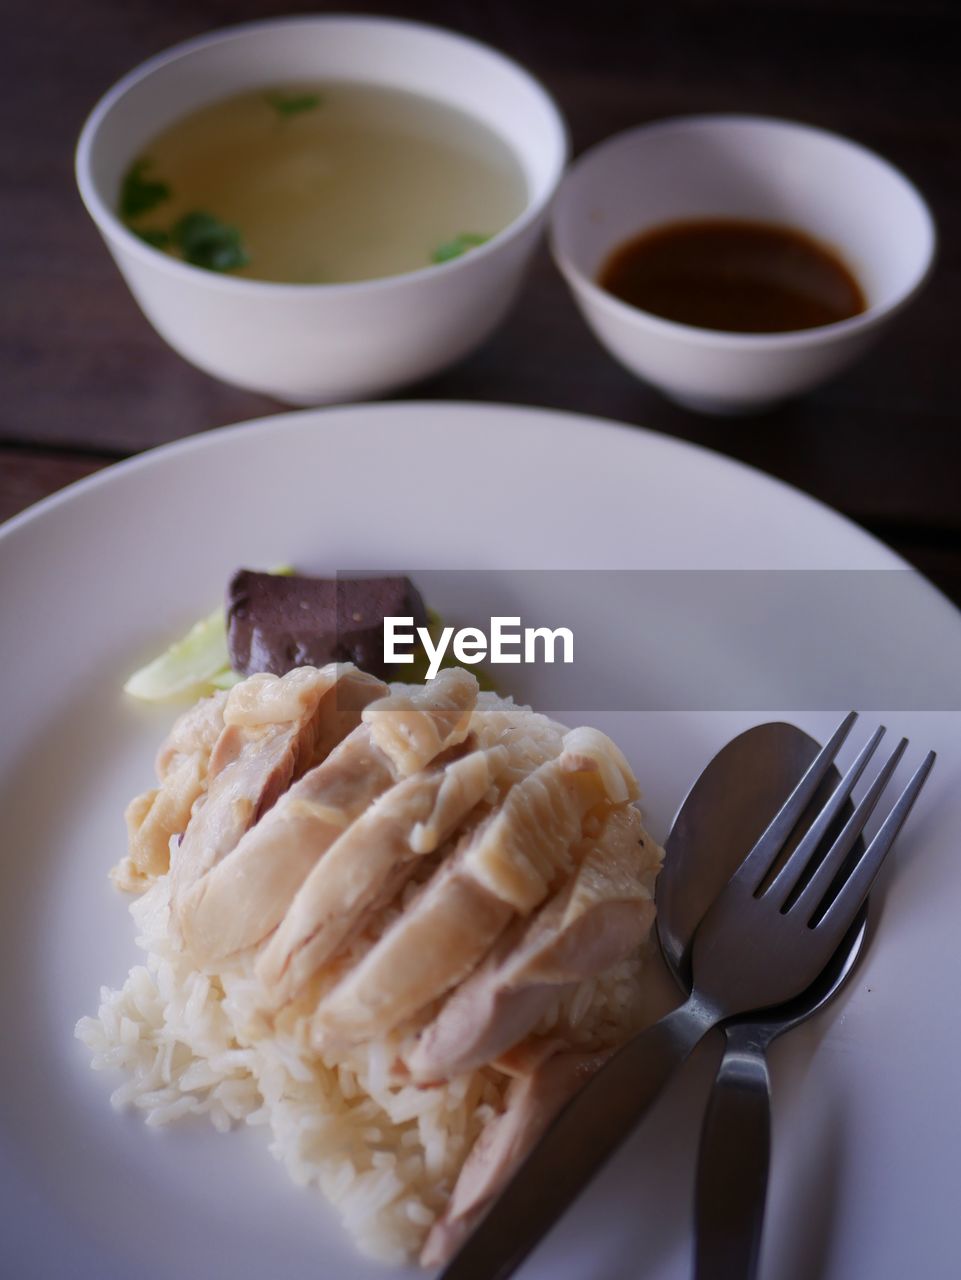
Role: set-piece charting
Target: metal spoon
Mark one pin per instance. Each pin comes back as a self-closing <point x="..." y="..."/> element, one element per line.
<point x="724" y="813"/>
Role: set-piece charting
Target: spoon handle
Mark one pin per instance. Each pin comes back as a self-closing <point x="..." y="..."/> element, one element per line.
<point x="733" y="1162"/>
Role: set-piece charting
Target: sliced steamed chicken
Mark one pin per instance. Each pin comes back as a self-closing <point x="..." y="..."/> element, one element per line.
<point x="376" y="856"/>
<point x="371" y="861"/>
<point x="435" y="943"/>
<point x="275" y="727"/>
<point x="413" y="729"/>
<point x="530" y="738"/>
<point x="529" y="844"/>
<point x="247" y="890"/>
<point x="600" y="916"/>
<point x="155" y="816"/>
<point x="506" y="866"/>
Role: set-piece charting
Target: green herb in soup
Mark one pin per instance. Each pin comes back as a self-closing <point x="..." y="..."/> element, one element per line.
<point x="292" y="104"/>
<point x="306" y="183"/>
<point x="460" y="244"/>
<point x="140" y="193"/>
<point x="207" y="242"/>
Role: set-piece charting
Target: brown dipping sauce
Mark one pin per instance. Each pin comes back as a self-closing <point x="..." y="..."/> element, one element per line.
<point x="738" y="276"/>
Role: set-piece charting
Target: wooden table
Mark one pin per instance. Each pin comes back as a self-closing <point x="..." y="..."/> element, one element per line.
<point x="85" y="380"/>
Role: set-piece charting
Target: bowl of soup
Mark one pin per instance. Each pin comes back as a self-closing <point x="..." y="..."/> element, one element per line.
<point x="735" y="261"/>
<point x="323" y="208"/>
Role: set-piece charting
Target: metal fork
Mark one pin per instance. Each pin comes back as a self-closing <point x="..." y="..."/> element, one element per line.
<point x="765" y="939"/>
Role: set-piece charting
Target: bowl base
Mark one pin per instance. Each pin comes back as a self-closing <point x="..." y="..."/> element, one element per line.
<point x="722" y="408"/>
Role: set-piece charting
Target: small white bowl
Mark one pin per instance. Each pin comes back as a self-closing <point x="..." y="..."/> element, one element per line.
<point x="310" y="344"/>
<point x="747" y="167"/>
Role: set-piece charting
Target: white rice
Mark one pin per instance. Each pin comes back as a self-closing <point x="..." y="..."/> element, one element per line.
<point x="385" y="1154"/>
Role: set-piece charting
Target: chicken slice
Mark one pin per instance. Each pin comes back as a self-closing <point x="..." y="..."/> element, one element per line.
<point x="193" y="733"/>
<point x="530" y="738"/>
<point x="441" y="935"/>
<point x="600" y="916"/>
<point x="526" y="849"/>
<point x="156" y="815"/>
<point x="247" y="893"/>
<point x="532" y="1103"/>
<point x="587" y="748"/>
<point x="507" y="865"/>
<point x="265" y="699"/>
<point x="275" y="727"/>
<point x="410" y="739"/>
<point x="381" y="848"/>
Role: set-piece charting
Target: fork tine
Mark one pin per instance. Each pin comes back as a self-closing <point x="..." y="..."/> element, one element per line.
<point x="792" y="871"/>
<point x="814" y="891"/>
<point x="758" y="862"/>
<point x="837" y="919"/>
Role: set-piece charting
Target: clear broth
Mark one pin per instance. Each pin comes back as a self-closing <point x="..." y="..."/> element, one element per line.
<point x="329" y="183"/>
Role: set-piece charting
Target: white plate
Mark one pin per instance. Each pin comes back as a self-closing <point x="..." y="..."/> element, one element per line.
<point x="867" y="1155"/>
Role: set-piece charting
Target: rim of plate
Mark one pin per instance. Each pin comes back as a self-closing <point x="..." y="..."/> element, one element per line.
<point x="219" y="437"/>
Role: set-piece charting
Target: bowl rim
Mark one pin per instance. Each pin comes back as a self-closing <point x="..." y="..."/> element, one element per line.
<point x="582" y="283"/>
<point x="113" y="229"/>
